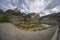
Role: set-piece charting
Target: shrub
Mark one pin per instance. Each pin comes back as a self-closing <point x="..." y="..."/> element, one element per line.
<point x="3" y="18"/>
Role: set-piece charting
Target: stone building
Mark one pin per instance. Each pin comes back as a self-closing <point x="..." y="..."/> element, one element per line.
<point x="16" y="10"/>
<point x="33" y="17"/>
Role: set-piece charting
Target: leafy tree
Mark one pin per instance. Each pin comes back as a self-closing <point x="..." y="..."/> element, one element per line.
<point x="13" y="12"/>
<point x="3" y="16"/>
<point x="1" y="11"/>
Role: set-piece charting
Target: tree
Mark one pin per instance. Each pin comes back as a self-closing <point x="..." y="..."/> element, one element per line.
<point x="1" y="11"/>
<point x="3" y="16"/>
<point x="13" y="12"/>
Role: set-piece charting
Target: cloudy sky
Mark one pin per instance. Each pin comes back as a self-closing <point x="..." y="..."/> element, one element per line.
<point x="44" y="7"/>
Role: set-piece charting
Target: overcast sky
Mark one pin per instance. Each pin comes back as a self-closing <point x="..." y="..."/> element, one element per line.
<point x="44" y="7"/>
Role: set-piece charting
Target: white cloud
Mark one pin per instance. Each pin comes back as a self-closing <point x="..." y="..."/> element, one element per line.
<point x="46" y="6"/>
<point x="11" y="6"/>
<point x="24" y="7"/>
<point x="46" y="12"/>
<point x="56" y="9"/>
<point x="7" y="4"/>
<point x="22" y="10"/>
<point x="38" y="6"/>
<point x="15" y="2"/>
<point x="2" y="5"/>
<point x="35" y="5"/>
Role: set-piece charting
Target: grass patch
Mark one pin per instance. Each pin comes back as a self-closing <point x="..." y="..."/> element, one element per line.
<point x="31" y="27"/>
<point x="3" y="18"/>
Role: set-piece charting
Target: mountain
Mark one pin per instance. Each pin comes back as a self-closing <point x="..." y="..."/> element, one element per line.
<point x="26" y="21"/>
<point x="30" y="20"/>
<point x="53" y="18"/>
